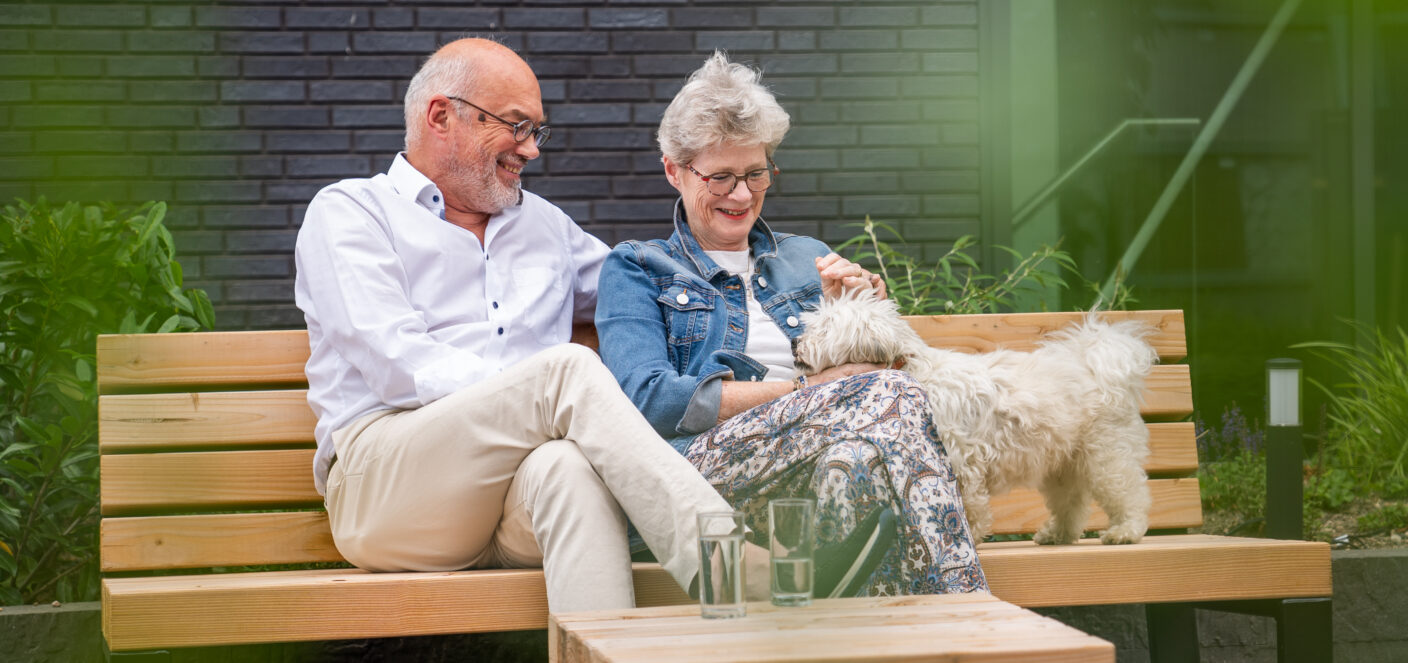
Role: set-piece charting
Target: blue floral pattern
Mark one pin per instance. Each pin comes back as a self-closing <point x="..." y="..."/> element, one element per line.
<point x="854" y="444"/>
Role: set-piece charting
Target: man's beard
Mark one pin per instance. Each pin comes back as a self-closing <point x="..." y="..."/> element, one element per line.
<point x="477" y="182"/>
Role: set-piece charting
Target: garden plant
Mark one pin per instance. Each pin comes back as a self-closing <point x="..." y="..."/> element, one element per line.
<point x="68" y="273"/>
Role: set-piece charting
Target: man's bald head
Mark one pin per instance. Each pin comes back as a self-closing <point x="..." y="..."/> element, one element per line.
<point x="462" y="68"/>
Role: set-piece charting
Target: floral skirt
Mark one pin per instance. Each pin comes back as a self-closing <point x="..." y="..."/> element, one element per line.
<point x="855" y="444"/>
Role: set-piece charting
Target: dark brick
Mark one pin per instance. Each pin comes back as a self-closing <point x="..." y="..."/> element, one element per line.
<point x="940" y="86"/>
<point x="218" y="141"/>
<point x="817" y="112"/>
<point x="952" y="205"/>
<point x="243" y="91"/>
<point x="119" y="16"/>
<point x="615" y="19"/>
<point x="196" y="167"/>
<point x="872" y="112"/>
<point x="790" y="160"/>
<point x="245" y="216"/>
<point x="798" y="183"/>
<point x="608" y="90"/>
<point x="381" y="142"/>
<point x="860" y="88"/>
<point x="555" y="66"/>
<point x="611" y="139"/>
<point x="275" y="317"/>
<point x="553" y="91"/>
<point x="78" y="41"/>
<point x="227" y="317"/>
<point x="666" y="65"/>
<point x="258" y="291"/>
<point x="899" y="135"/>
<point x="811" y="63"/>
<point x="393" y="42"/>
<point x="952" y="157"/>
<point x="80" y="90"/>
<point x="647" y="114"/>
<point x="735" y="41"/>
<point x="145" y="190"/>
<point x="330" y="42"/>
<point x="938" y="39"/>
<point x="152" y="66"/>
<point x="105" y="166"/>
<point x="27" y="65"/>
<point x="350" y="91"/>
<point x="169" y="41"/>
<point x="651" y="42"/>
<point x="83" y="65"/>
<point x="395" y="18"/>
<point x="281" y="116"/>
<point x="14" y="40"/>
<point x="26" y="168"/>
<point x="457" y="18"/>
<point x="217" y="191"/>
<point x="219" y="116"/>
<point x="198" y="242"/>
<point x="84" y="190"/>
<point x="328" y="166"/>
<point x="935" y="230"/>
<point x="605" y="66"/>
<point x="226" y="266"/>
<point x="170" y="17"/>
<point x="13" y="190"/>
<point x="796" y="40"/>
<point x="261" y="42"/>
<point x="57" y="116"/>
<point x="961" y="133"/>
<point x="951" y="63"/>
<point x="646" y="162"/>
<point x="631" y="210"/>
<point x="935" y="14"/>
<point x="710" y="17"/>
<point x="644" y="186"/>
<point x="944" y="181"/>
<point x="238" y="17"/>
<point x="15" y="91"/>
<point x="326" y="18"/>
<point x="368" y="116"/>
<point x="16" y="142"/>
<point x="872" y="159"/>
<point x="218" y="66"/>
<point x="569" y="186"/>
<point x="538" y="19"/>
<point x="304" y="67"/>
<point x="793" y="88"/>
<point x="855" y="40"/>
<point x="152" y="141"/>
<point x="16" y="14"/>
<point x="568" y="42"/>
<point x="878" y="63"/>
<point x="579" y="114"/>
<point x="374" y="67"/>
<point x="584" y="163"/>
<point x="151" y="116"/>
<point x="287" y="191"/>
<point x="261" y="166"/>
<point x="794" y="17"/>
<point x="822" y="135"/>
<point x="871" y="16"/>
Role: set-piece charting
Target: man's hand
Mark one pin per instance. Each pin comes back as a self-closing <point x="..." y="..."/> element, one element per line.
<point x="839" y="275"/>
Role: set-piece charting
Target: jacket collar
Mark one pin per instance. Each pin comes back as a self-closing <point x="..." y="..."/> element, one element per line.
<point x="760" y="241"/>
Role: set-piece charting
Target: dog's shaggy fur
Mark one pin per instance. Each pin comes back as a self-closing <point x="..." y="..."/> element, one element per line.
<point x="1064" y="418"/>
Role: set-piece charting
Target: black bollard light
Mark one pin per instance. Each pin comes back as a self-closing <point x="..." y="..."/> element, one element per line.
<point x="1284" y="456"/>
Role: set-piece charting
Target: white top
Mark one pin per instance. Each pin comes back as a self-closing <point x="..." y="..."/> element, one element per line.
<point x="766" y="343"/>
<point x="404" y="307"/>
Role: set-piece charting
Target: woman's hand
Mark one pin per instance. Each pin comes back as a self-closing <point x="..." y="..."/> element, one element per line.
<point x="839" y="275"/>
<point x="843" y="371"/>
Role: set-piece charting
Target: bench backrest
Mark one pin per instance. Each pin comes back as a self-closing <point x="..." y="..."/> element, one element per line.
<point x="207" y="442"/>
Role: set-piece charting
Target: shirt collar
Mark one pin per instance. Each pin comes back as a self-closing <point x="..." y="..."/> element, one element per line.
<point x="760" y="241"/>
<point x="413" y="185"/>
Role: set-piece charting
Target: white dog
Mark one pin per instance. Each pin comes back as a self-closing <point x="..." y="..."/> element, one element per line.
<point x="1063" y="418"/>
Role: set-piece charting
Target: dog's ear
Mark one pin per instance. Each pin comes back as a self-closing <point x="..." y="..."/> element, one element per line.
<point x="898" y="364"/>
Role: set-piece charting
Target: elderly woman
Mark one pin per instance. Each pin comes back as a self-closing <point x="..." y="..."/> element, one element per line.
<point x="698" y="331"/>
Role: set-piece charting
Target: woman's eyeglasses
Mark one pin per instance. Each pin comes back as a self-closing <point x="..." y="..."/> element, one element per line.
<point x="723" y="184"/>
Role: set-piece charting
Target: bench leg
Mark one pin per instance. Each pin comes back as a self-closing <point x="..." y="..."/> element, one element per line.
<point x="1304" y="631"/>
<point x="1173" y="633"/>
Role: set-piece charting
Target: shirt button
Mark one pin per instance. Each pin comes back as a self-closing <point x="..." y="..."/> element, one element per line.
<point x="762" y="282"/>
<point x="682" y="299"/>
<point x="435" y="199"/>
<point x="496" y="304"/>
<point x="501" y="331"/>
<point x="791" y="321"/>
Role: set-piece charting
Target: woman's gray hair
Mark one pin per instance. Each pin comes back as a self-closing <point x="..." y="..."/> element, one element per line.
<point x="441" y="74"/>
<point x="722" y="102"/>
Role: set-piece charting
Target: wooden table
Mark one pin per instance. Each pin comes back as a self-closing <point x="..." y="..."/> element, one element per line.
<point x="954" y="627"/>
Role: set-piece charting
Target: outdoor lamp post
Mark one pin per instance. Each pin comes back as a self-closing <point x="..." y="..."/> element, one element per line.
<point x="1284" y="457"/>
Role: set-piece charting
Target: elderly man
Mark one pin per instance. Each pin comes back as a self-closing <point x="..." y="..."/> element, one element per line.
<point x="457" y="428"/>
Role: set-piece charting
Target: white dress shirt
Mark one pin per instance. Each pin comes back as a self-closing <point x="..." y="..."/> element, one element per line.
<point x="404" y="307"/>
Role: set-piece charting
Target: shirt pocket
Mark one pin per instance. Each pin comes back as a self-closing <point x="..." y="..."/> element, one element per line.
<point x="687" y="308"/>
<point x="539" y="292"/>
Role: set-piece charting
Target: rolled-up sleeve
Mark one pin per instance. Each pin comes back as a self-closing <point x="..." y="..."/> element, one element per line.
<point x="634" y="346"/>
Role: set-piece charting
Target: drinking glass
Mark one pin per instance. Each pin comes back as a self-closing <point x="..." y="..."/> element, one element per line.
<point x="792" y="538"/>
<point x="721" y="565"/>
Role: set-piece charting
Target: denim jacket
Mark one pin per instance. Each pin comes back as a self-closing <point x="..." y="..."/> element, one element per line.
<point x="673" y="324"/>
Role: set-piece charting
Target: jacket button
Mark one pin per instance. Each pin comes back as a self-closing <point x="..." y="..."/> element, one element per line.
<point x="762" y="282"/>
<point x="682" y="299"/>
<point x="791" y="321"/>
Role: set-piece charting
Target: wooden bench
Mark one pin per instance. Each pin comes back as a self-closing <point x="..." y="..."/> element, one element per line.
<point x="207" y="446"/>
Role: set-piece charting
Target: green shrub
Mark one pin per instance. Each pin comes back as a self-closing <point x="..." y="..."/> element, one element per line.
<point x="68" y="274"/>
<point x="1368" y="411"/>
<point x="1387" y="518"/>
<point x="1236" y="483"/>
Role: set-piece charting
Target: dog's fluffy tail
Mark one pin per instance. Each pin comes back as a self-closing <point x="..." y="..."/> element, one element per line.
<point x="1117" y="354"/>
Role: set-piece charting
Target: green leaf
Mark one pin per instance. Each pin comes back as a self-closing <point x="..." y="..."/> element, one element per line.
<point x="169" y="324"/>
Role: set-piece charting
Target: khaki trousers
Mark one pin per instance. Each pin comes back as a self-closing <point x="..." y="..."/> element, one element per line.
<point x="533" y="467"/>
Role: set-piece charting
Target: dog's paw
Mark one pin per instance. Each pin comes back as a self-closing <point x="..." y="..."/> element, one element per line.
<point x="1051" y="536"/>
<point x="1121" y="534"/>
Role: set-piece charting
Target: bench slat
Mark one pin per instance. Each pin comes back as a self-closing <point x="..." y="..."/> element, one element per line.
<point x="1020" y="331"/>
<point x="138" y="422"/>
<point x="131" y="483"/>
<point x="183" y="611"/>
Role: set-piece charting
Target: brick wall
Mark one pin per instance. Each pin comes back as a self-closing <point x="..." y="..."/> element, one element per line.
<point x="237" y="112"/>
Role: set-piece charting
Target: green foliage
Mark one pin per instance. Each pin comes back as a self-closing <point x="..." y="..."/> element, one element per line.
<point x="68" y="274"/>
<point x="1368" y="411"/>
<point x="1236" y="483"/>
<point x="954" y="284"/>
<point x="1330" y="489"/>
<point x="1389" y="517"/>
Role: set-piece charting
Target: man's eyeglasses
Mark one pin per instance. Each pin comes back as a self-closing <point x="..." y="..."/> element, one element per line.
<point x="723" y="184"/>
<point x="521" y="130"/>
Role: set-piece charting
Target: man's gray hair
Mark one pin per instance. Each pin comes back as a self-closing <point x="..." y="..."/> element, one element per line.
<point x="440" y="74"/>
<point x="722" y="102"/>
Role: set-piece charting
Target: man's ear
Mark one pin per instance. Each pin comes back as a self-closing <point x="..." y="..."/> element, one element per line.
<point x="437" y="116"/>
